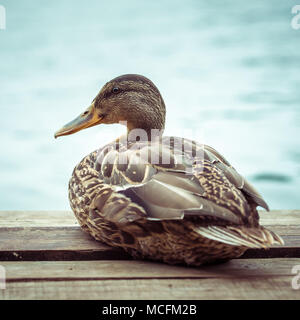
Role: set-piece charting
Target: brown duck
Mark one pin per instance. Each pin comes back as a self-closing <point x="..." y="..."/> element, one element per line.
<point x="160" y="198"/>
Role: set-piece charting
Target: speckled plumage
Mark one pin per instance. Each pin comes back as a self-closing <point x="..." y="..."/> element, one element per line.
<point x="191" y="210"/>
<point x="115" y="218"/>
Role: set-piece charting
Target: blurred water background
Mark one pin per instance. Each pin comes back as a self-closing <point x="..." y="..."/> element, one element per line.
<point x="228" y="71"/>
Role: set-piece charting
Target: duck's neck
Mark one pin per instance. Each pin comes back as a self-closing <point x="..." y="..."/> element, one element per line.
<point x="144" y="117"/>
<point x="145" y="126"/>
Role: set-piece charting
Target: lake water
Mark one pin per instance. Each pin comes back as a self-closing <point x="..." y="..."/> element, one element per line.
<point x="228" y="72"/>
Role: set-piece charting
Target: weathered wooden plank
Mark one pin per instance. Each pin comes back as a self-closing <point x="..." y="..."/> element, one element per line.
<point x="37" y="219"/>
<point x="72" y="238"/>
<point x="280" y="217"/>
<point x="168" y="289"/>
<point x="71" y="243"/>
<point x="100" y="270"/>
<point x="53" y="243"/>
<point x="44" y="238"/>
<point x="68" y="242"/>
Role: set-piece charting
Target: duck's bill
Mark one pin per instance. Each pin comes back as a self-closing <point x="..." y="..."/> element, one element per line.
<point x="87" y="119"/>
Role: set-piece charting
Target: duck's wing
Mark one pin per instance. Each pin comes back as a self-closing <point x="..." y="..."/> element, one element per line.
<point x="178" y="184"/>
<point x="234" y="177"/>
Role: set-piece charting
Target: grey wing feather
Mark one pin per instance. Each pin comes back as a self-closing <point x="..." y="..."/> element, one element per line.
<point x="172" y="196"/>
<point x="168" y="190"/>
<point x="238" y="180"/>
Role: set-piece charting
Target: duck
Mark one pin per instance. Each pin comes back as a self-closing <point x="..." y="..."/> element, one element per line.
<point x="160" y="198"/>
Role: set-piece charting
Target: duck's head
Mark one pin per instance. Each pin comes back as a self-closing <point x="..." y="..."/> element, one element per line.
<point x="129" y="99"/>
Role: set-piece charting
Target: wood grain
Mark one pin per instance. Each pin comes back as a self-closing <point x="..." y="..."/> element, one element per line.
<point x="107" y="269"/>
<point x="167" y="289"/>
<point x="279" y="217"/>
<point x="37" y="219"/>
<point x="53" y="243"/>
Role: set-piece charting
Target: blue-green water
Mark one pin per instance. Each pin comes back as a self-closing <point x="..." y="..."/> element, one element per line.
<point x="228" y="71"/>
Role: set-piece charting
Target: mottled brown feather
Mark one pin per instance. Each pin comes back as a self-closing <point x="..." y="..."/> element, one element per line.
<point x="222" y="227"/>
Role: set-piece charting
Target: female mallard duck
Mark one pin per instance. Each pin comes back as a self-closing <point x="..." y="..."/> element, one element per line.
<point x="160" y="198"/>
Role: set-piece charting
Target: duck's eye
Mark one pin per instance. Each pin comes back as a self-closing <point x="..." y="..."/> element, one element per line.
<point x="115" y="90"/>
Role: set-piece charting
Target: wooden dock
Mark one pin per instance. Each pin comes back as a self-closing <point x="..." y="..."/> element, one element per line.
<point x="47" y="256"/>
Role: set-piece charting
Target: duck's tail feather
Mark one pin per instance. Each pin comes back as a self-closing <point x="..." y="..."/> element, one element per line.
<point x="241" y="236"/>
